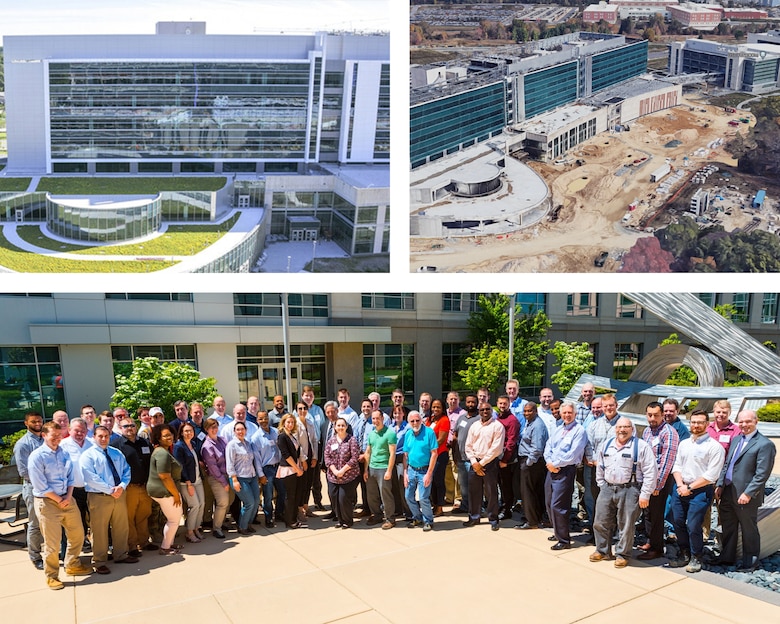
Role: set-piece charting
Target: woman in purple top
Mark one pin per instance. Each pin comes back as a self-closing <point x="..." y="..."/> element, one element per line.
<point x="341" y="462"/>
<point x="213" y="453"/>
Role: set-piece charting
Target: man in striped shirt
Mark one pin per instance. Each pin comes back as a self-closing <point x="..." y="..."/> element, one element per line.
<point x="663" y="440"/>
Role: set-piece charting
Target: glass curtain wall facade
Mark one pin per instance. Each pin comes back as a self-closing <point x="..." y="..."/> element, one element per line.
<point x="759" y="73"/>
<point x="352" y="227"/>
<point x="103" y="224"/>
<point x="31" y="380"/>
<point x="217" y="110"/>
<point x="549" y="88"/>
<point x="441" y="126"/>
<point x="616" y="66"/>
<point x="382" y="136"/>
<point x="31" y="205"/>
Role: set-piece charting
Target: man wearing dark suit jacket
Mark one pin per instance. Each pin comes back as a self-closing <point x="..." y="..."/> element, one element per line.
<point x="740" y="489"/>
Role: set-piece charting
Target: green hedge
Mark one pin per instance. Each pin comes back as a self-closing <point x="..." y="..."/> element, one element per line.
<point x="769" y="413"/>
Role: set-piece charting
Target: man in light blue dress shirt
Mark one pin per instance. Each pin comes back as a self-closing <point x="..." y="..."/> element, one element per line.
<point x="106" y="477"/>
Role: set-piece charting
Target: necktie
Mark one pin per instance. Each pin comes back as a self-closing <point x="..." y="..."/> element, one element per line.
<point x="330" y="432"/>
<point x="114" y="473"/>
<point x="737" y="451"/>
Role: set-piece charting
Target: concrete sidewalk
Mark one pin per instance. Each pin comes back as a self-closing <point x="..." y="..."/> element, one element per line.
<point x="364" y="575"/>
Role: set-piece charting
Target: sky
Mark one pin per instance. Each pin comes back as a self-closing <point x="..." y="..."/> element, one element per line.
<point x="62" y="17"/>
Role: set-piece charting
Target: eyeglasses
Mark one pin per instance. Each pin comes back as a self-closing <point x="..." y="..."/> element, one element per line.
<point x="301" y="409"/>
<point x="411" y="422"/>
<point x="128" y="426"/>
<point x="485" y="409"/>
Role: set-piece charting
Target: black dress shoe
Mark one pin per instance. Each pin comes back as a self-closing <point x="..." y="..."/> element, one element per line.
<point x="471" y="522"/>
<point x="560" y="546"/>
<point x="494" y="526"/>
<point x="749" y="566"/>
<point x="552" y="538"/>
<point x="525" y="526"/>
<point x="38" y="564"/>
<point x="319" y="507"/>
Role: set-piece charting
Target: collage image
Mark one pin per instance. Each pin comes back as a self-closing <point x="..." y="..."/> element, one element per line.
<point x="579" y="392"/>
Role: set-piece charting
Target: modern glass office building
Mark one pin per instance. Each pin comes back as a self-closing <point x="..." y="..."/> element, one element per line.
<point x="459" y="109"/>
<point x="195" y="103"/>
<point x="753" y="67"/>
<point x="615" y="66"/>
<point x="550" y="88"/>
<point x="451" y="122"/>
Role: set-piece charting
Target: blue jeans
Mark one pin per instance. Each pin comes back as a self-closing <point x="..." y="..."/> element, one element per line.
<point x="688" y="513"/>
<point x="420" y="510"/>
<point x="34" y="536"/>
<point x="268" y="494"/>
<point x="589" y="478"/>
<point x="464" y="473"/>
<point x="250" y="500"/>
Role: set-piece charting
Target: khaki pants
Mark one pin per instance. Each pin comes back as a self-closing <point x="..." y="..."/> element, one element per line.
<point x="53" y="520"/>
<point x="139" y="508"/>
<point x="105" y="510"/>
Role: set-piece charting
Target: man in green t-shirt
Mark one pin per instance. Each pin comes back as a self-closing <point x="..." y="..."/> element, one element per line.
<point x="380" y="463"/>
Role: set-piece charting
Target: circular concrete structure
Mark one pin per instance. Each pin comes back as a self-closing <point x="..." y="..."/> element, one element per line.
<point x="103" y="218"/>
<point x="479" y="180"/>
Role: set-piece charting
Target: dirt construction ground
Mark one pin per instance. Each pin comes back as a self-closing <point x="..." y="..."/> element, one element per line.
<point x="595" y="197"/>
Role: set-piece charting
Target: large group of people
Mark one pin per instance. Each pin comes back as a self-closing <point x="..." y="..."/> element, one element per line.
<point x="115" y="485"/>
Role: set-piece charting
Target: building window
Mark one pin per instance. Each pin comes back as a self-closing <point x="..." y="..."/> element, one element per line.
<point x="123" y="356"/>
<point x="708" y="299"/>
<point x="582" y="304"/>
<point x="31" y="380"/>
<point x="388" y="301"/>
<point x="626" y="359"/>
<point x="453" y="359"/>
<point x="628" y="309"/>
<point x="150" y="296"/>
<point x="769" y="309"/>
<point x="459" y="302"/>
<point x="270" y="304"/>
<point x="531" y="303"/>
<point x="741" y="302"/>
<point x="261" y="371"/>
<point x="387" y="367"/>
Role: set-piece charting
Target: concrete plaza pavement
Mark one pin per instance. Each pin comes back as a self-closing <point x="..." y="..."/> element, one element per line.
<point x="366" y="575"/>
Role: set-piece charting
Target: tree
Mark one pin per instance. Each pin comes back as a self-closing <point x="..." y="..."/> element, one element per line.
<point x="683" y="375"/>
<point x="573" y="359"/>
<point x="647" y="256"/>
<point x="155" y="383"/>
<point x="489" y="327"/>
<point x="486" y="366"/>
<point x="415" y="35"/>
